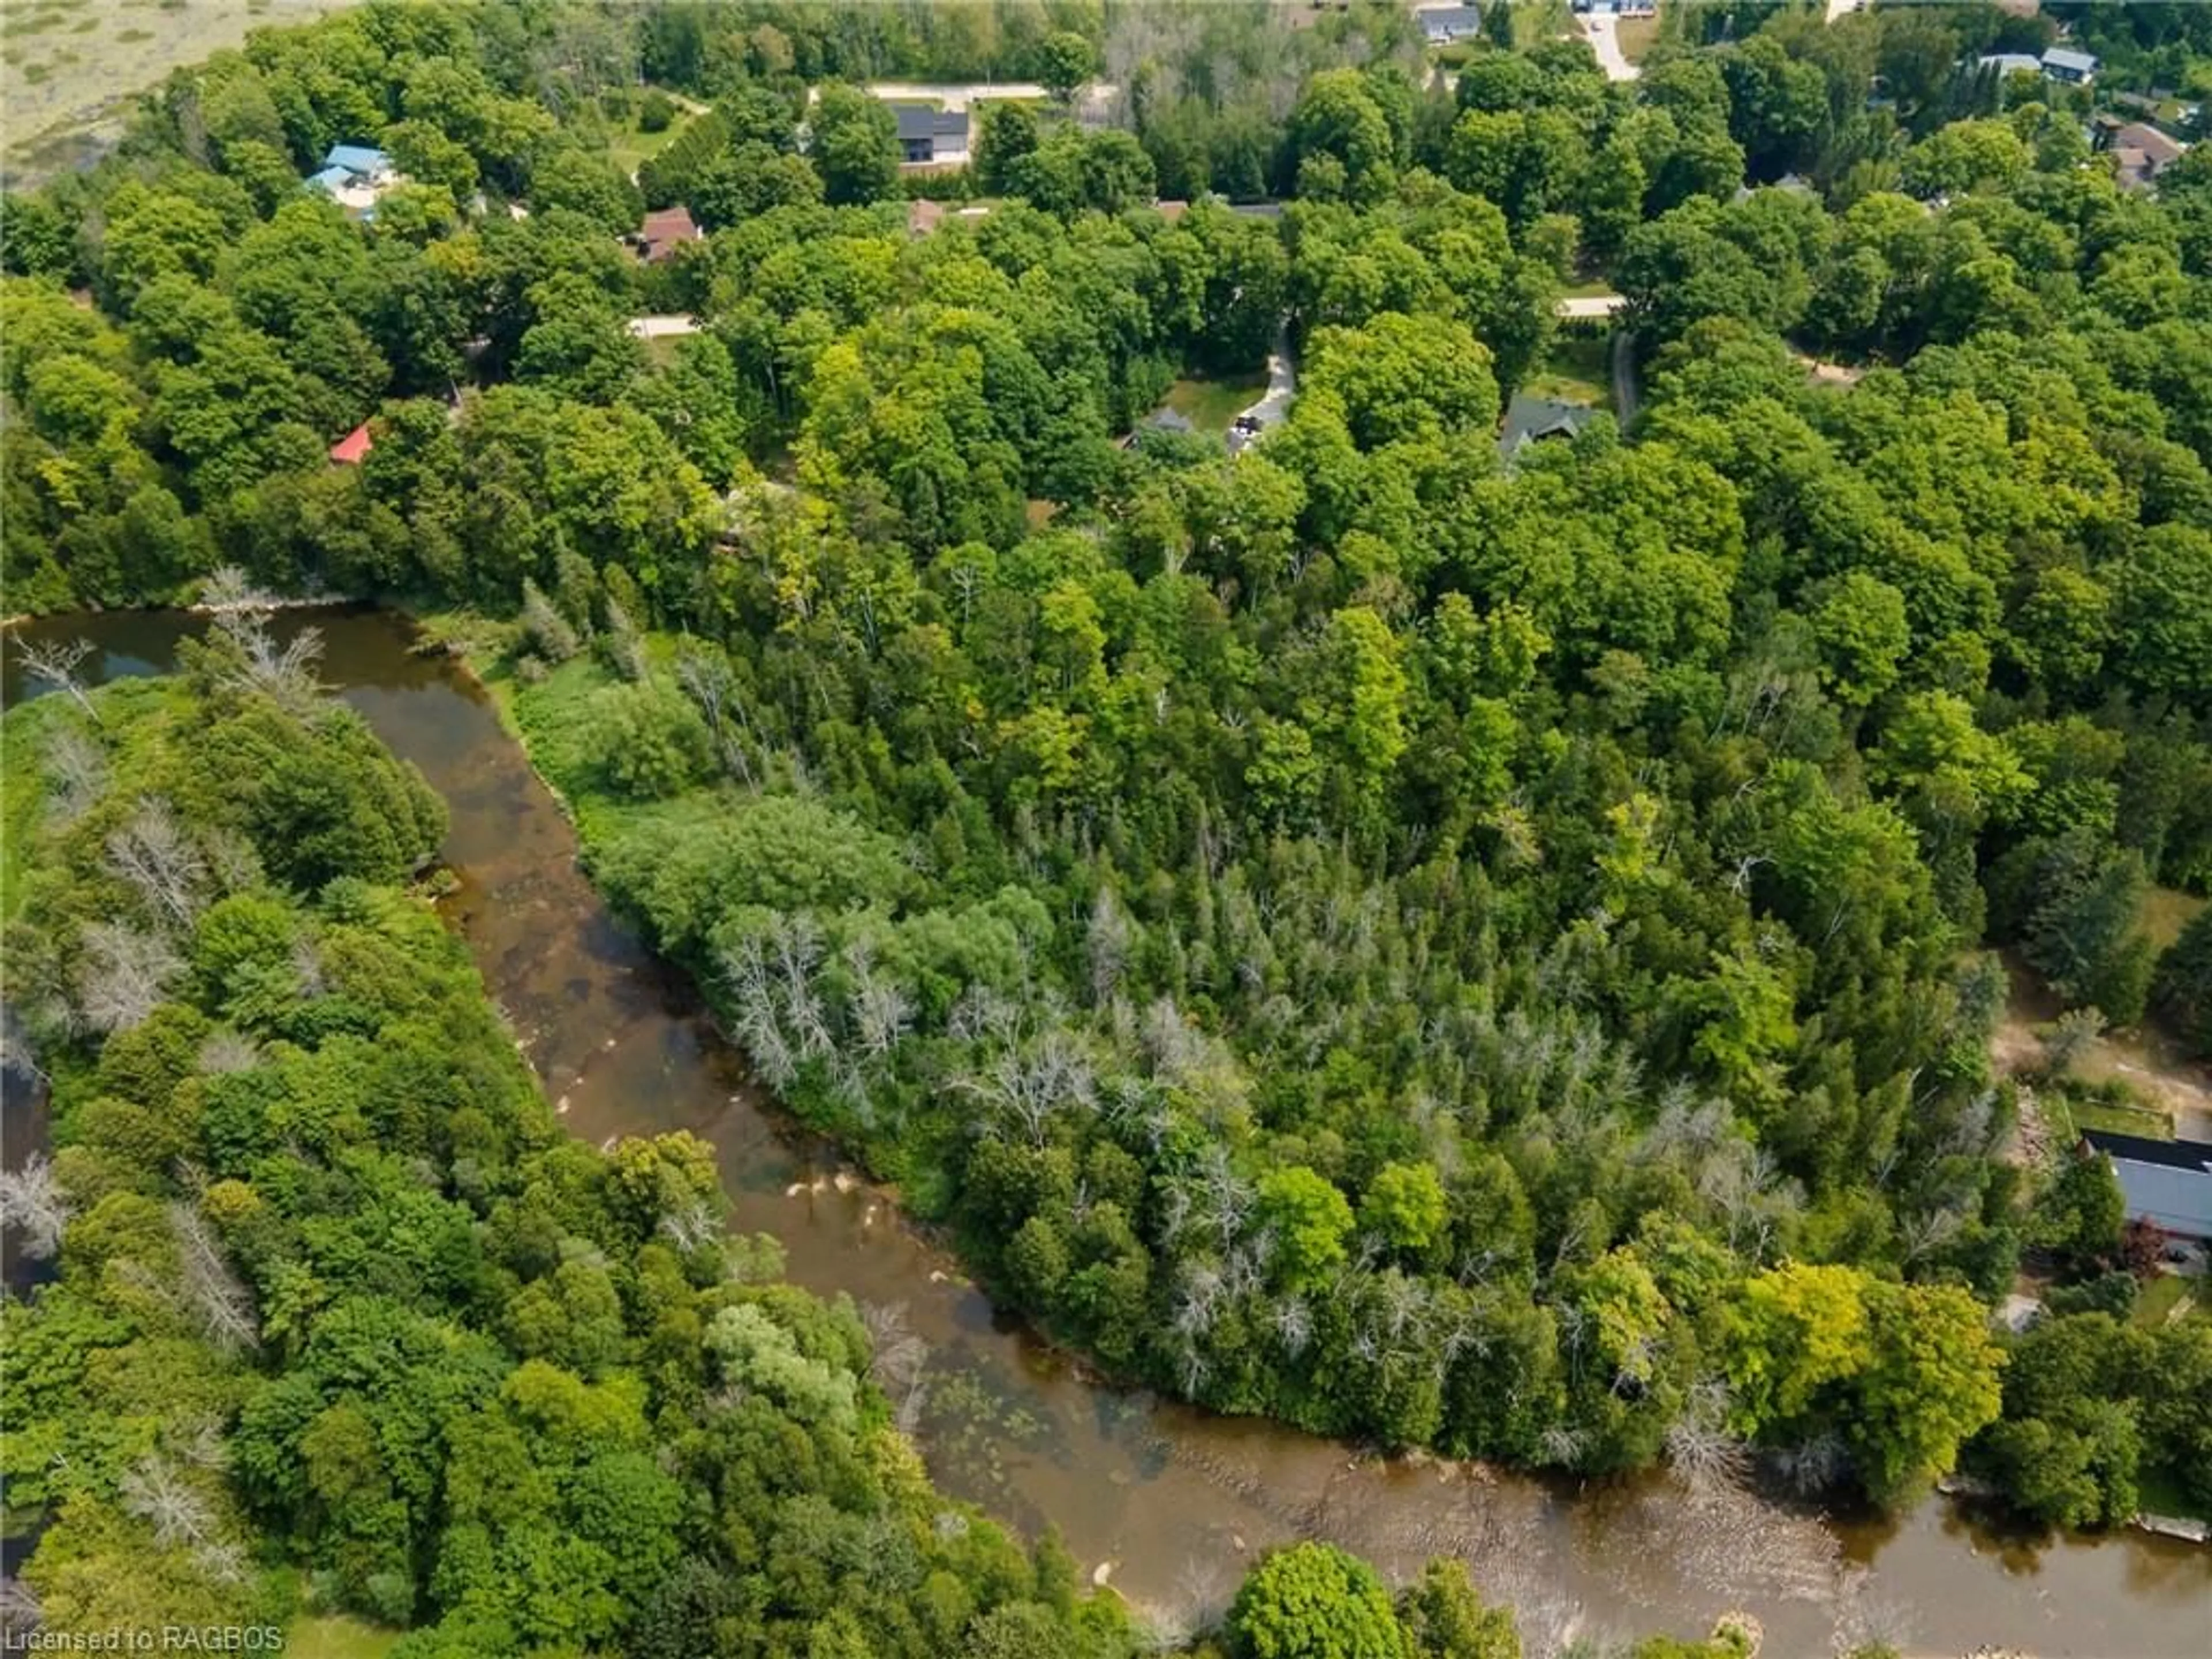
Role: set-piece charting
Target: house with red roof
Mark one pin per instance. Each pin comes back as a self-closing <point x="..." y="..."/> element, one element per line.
<point x="348" y="450"/>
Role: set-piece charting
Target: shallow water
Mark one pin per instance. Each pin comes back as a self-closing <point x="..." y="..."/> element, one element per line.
<point x="1171" y="1502"/>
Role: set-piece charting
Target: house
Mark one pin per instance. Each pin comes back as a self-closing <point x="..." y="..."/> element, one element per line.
<point x="2007" y="63"/>
<point x="372" y="166"/>
<point x="1445" y="26"/>
<point x="932" y="137"/>
<point x="2142" y="152"/>
<point x="353" y="176"/>
<point x="1159" y="421"/>
<point x="1540" y="420"/>
<point x="664" y="232"/>
<point x="348" y="450"/>
<point x="2070" y="68"/>
<point x="2166" y="1182"/>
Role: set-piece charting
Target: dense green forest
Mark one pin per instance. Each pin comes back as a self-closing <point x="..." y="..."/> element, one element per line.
<point x="343" y="1321"/>
<point x="1451" y="952"/>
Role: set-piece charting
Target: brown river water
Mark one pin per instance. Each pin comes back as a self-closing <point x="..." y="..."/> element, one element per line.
<point x="1170" y="1502"/>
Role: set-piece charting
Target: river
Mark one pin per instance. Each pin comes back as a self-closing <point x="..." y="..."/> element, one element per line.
<point x="1171" y="1502"/>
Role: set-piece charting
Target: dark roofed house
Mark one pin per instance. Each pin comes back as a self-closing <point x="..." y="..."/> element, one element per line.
<point x="930" y="137"/>
<point x="2166" y="1182"/>
<point x="2069" y="67"/>
<point x="1540" y="420"/>
<point x="662" y="232"/>
<point x="1443" y="25"/>
<point x="1159" y="421"/>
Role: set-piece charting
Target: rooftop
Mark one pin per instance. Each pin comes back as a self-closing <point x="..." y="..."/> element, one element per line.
<point x="663" y="230"/>
<point x="2173" y="1154"/>
<point x="2065" y="58"/>
<point x="348" y="450"/>
<point x="357" y="158"/>
<point x="2155" y="145"/>
<point x="922" y="121"/>
<point x="2165" y="1182"/>
<point x="1533" y="420"/>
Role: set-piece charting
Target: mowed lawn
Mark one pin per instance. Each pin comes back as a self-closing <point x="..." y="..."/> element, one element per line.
<point x="1209" y="405"/>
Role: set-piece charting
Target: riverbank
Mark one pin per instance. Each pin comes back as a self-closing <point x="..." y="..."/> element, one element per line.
<point x="1174" y="1501"/>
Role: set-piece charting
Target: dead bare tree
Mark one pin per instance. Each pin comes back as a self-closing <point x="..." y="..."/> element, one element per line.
<point x="76" y="770"/>
<point x="1107" y="945"/>
<point x="126" y="974"/>
<point x="1700" y="1448"/>
<point x="285" y="670"/>
<point x="154" y="1492"/>
<point x="155" y="854"/>
<point x="212" y="1290"/>
<point x="53" y="664"/>
<point x="32" y="1202"/>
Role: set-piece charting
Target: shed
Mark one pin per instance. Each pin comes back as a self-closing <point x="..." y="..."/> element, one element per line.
<point x="348" y="450"/>
<point x="2166" y="1182"/>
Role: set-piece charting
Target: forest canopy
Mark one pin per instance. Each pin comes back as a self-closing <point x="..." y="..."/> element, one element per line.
<point x="1494" y="952"/>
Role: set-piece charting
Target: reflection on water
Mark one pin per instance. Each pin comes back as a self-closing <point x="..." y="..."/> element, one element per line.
<point x="1171" y="1502"/>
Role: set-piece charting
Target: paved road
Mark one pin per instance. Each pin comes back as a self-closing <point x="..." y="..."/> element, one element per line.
<point x="1591" y="306"/>
<point x="1603" y="32"/>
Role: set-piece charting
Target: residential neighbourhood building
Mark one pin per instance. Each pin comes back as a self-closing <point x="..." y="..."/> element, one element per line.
<point x="1530" y="420"/>
<point x="2140" y="152"/>
<point x="932" y="137"/>
<point x="2069" y="67"/>
<point x="664" y="232"/>
<point x="355" y="176"/>
<point x="1445" y="26"/>
<point x="2166" y="1182"/>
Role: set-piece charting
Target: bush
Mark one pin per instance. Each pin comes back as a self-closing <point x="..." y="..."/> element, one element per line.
<point x="655" y="110"/>
<point x="650" y="742"/>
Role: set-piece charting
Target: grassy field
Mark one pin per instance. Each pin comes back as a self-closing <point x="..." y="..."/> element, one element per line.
<point x="2155" y="1305"/>
<point x="68" y="68"/>
<point x="1637" y="36"/>
<point x="1209" y="405"/>
<point x="337" y="1638"/>
<point x="629" y="148"/>
<point x="1575" y="370"/>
